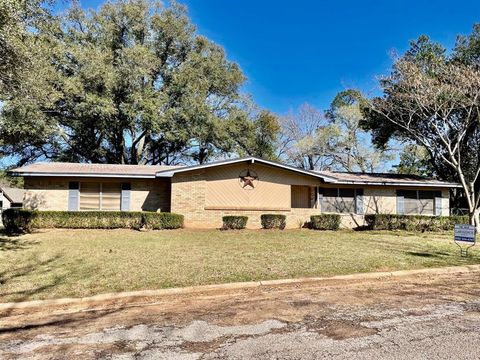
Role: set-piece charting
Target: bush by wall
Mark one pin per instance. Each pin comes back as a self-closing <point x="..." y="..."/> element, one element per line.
<point x="273" y="221"/>
<point x="325" y="222"/>
<point x="22" y="220"/>
<point x="234" y="222"/>
<point x="162" y="220"/>
<point x="413" y="222"/>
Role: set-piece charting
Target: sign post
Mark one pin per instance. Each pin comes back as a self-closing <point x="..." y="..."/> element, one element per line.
<point x="464" y="234"/>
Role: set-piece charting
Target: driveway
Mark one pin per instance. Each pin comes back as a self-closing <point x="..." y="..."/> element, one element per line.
<point x="427" y="316"/>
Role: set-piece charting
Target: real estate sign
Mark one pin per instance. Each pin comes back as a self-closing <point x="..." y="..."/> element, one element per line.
<point x="465" y="233"/>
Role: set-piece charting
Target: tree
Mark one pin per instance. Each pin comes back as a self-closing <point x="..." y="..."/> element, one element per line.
<point x="433" y="100"/>
<point x="130" y="83"/>
<point x="307" y="140"/>
<point x="354" y="149"/>
<point x="16" y="16"/>
<point x="414" y="160"/>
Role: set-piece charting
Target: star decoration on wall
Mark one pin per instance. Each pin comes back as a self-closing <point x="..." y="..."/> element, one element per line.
<point x="248" y="179"/>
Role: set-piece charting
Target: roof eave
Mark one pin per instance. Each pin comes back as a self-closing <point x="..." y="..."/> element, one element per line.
<point x="76" y="174"/>
<point x="400" y="183"/>
<point x="170" y="173"/>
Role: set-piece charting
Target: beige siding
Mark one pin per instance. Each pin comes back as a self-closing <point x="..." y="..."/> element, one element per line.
<point x="272" y="189"/>
<point x="52" y="193"/>
<point x="379" y="200"/>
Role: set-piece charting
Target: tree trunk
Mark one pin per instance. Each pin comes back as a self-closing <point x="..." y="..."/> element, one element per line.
<point x="475" y="219"/>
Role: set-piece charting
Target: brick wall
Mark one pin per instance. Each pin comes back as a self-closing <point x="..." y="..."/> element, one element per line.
<point x="52" y="193"/>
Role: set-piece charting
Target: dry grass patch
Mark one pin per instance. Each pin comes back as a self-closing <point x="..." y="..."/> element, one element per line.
<point x="61" y="263"/>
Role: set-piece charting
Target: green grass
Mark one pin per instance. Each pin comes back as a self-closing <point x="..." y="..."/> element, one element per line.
<point x="64" y="263"/>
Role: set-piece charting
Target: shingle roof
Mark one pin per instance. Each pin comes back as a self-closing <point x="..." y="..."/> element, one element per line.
<point x="13" y="194"/>
<point x="383" y="178"/>
<point x="152" y="171"/>
<point x="104" y="170"/>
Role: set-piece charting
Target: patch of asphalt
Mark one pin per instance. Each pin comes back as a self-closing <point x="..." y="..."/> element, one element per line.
<point x="145" y="338"/>
<point x="443" y="334"/>
<point x="201" y="331"/>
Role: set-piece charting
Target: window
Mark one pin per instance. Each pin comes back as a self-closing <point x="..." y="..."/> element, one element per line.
<point x="416" y="202"/>
<point x="340" y="200"/>
<point x="301" y="197"/>
<point x="100" y="196"/>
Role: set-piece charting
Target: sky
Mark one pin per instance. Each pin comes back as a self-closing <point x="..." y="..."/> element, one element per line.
<point x="294" y="52"/>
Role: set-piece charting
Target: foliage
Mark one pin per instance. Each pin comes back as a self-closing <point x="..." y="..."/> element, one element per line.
<point x="414" y="161"/>
<point x="354" y="149"/>
<point x="234" y="222"/>
<point x="162" y="220"/>
<point x="431" y="99"/>
<point x="22" y="220"/>
<point x="307" y="140"/>
<point x="325" y="222"/>
<point x="413" y="222"/>
<point x="273" y="221"/>
<point x="131" y="82"/>
<point x="16" y="16"/>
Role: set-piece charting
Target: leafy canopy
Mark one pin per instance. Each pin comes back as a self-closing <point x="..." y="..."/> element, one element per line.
<point x="130" y="83"/>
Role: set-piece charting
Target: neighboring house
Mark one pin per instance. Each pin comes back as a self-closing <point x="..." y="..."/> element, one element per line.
<point x="245" y="186"/>
<point x="10" y="197"/>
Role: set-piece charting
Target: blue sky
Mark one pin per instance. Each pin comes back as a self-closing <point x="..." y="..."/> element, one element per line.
<point x="306" y="50"/>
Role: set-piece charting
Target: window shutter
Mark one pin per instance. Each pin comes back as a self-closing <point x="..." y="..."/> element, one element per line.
<point x="359" y="201"/>
<point x="438" y="203"/>
<point x="400" y="203"/>
<point x="125" y="202"/>
<point x="73" y="195"/>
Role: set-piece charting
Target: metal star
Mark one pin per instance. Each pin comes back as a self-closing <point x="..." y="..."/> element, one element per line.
<point x="248" y="179"/>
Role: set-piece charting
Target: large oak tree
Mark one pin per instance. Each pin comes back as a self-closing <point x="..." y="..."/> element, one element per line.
<point x="130" y="83"/>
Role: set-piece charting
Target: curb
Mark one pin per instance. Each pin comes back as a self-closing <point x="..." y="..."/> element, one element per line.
<point x="233" y="286"/>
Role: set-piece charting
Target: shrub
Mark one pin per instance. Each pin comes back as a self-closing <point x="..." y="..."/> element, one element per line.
<point x="162" y="220"/>
<point x="325" y="222"/>
<point x="17" y="220"/>
<point x="21" y="220"/>
<point x="273" y="221"/>
<point x="234" y="222"/>
<point x="413" y="222"/>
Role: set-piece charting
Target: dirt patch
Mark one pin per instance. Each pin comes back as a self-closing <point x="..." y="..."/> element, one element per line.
<point x="203" y="347"/>
<point x="341" y="329"/>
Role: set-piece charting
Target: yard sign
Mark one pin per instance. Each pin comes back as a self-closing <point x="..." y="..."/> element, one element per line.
<point x="464" y="234"/>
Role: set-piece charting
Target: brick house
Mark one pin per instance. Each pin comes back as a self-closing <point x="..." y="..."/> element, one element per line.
<point x="245" y="186"/>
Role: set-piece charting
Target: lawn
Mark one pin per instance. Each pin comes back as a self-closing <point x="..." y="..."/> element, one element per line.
<point x="65" y="263"/>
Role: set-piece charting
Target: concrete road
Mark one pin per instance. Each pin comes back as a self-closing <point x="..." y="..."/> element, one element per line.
<point x="429" y="316"/>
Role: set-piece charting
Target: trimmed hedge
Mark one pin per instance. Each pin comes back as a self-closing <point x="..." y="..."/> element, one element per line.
<point x="325" y="222"/>
<point x="234" y="222"/>
<point x="22" y="220"/>
<point x="273" y="221"/>
<point x="160" y="221"/>
<point x="413" y="222"/>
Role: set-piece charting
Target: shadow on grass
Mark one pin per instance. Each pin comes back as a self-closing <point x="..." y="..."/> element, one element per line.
<point x="14" y="242"/>
<point x="435" y="254"/>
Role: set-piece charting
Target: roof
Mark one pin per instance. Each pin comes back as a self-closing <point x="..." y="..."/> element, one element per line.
<point x="329" y="177"/>
<point x="14" y="195"/>
<point x="90" y="170"/>
<point x="152" y="171"/>
<point x="385" y="179"/>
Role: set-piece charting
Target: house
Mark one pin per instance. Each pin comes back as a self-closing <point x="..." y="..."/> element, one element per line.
<point x="245" y="186"/>
<point x="10" y="197"/>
